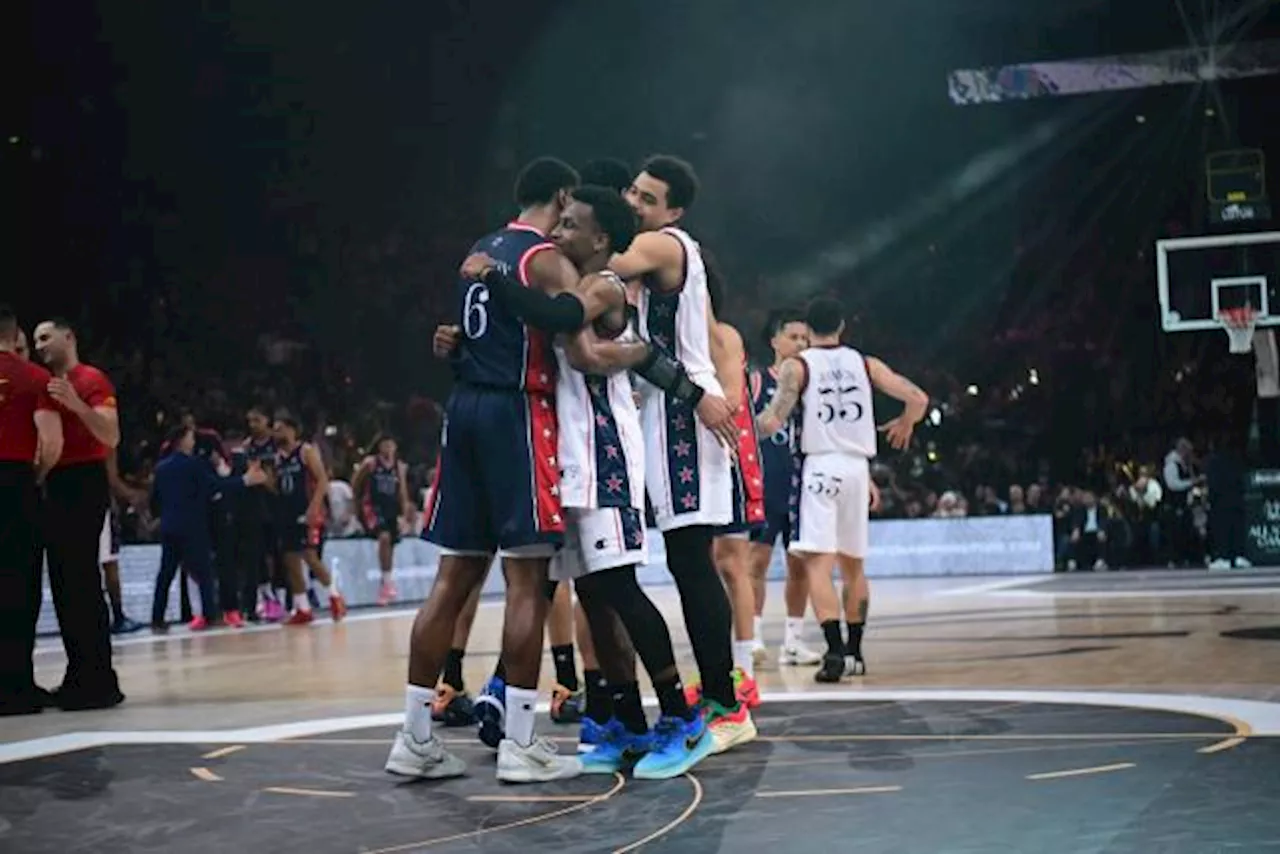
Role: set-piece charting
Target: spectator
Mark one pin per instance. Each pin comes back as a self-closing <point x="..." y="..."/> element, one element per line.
<point x="1088" y="534"/>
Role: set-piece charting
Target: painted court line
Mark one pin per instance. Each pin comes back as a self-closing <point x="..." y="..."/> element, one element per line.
<point x="819" y="793"/>
<point x="1225" y="744"/>
<point x="223" y="751"/>
<point x="1080" y="772"/>
<point x="206" y="775"/>
<point x="1248" y="717"/>
<point x="674" y="823"/>
<point x="310" y="793"/>
<point x="531" y="799"/>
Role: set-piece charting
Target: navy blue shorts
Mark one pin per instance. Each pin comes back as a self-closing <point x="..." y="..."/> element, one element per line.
<point x="293" y="536"/>
<point x="497" y="481"/>
<point x="777" y="523"/>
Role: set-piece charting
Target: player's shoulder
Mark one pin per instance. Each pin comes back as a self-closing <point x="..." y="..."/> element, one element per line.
<point x="33" y="374"/>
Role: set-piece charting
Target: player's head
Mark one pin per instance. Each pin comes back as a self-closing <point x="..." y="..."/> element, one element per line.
<point x="187" y="418"/>
<point x="385" y="446"/>
<point x="663" y="191"/>
<point x="182" y="439"/>
<point x="596" y="224"/>
<point x="21" y="349"/>
<point x="258" y="420"/>
<point x="608" y="172"/>
<point x="9" y="329"/>
<point x="545" y="182"/>
<point x="287" y="428"/>
<point x="786" y="333"/>
<point x="825" y="318"/>
<point x="56" y="342"/>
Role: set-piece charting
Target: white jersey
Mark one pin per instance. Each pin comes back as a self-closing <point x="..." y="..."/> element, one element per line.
<point x="687" y="472"/>
<point x="601" y="447"/>
<point x="836" y="408"/>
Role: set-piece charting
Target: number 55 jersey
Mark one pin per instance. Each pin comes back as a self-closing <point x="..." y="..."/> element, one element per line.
<point x="837" y="439"/>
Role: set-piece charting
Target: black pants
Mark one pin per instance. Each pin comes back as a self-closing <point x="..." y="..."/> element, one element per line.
<point x="1227" y="530"/>
<point x="20" y="571"/>
<point x="192" y="553"/>
<point x="76" y="504"/>
<point x="251" y="549"/>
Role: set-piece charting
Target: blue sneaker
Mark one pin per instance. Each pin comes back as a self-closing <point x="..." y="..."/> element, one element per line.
<point x="617" y="751"/>
<point x="490" y="709"/>
<point x="591" y="733"/>
<point x="677" y="746"/>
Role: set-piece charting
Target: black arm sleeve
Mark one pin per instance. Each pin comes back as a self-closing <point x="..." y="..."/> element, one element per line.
<point x="563" y="312"/>
<point x="670" y="376"/>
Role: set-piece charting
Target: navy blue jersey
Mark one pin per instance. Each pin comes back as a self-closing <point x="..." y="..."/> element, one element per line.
<point x="777" y="452"/>
<point x="497" y="349"/>
<point x="293" y="485"/>
<point x="384" y="489"/>
<point x="254" y="499"/>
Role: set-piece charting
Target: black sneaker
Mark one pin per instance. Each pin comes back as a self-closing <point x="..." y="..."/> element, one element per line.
<point x="78" y="699"/>
<point x="124" y="626"/>
<point x="832" y="669"/>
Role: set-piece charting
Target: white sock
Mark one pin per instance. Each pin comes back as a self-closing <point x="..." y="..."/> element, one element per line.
<point x="794" y="631"/>
<point x="521" y="703"/>
<point x="742" y="657"/>
<point x="417" y="712"/>
<point x="757" y="630"/>
<point x="301" y="603"/>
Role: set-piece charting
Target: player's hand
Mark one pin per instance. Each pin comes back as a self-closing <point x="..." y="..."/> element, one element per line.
<point x="875" y="497"/>
<point x="64" y="393"/>
<point x="716" y="413"/>
<point x="445" y="340"/>
<point x="474" y="268"/>
<point x="898" y="431"/>
<point x="254" y="474"/>
<point x="315" y="517"/>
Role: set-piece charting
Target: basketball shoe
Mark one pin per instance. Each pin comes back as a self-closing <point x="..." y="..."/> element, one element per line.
<point x="744" y="688"/>
<point x="491" y="712"/>
<point x="676" y="746"/>
<point x="452" y="707"/>
<point x="729" y="727"/>
<point x="566" y="705"/>
<point x="427" y="760"/>
<point x="539" y="762"/>
<point x="616" y="751"/>
<point x="592" y="733"/>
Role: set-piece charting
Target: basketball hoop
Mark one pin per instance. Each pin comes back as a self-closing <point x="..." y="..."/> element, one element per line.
<point x="1239" y="323"/>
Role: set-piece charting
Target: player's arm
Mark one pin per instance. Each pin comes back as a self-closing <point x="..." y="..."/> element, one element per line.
<point x="48" y="434"/>
<point x="405" y="504"/>
<point x="649" y="252"/>
<point x="591" y="354"/>
<point x="728" y="355"/>
<point x="549" y="303"/>
<point x="319" y="479"/>
<point x="793" y="375"/>
<point x="97" y="409"/>
<point x="361" y="475"/>
<point x="916" y="402"/>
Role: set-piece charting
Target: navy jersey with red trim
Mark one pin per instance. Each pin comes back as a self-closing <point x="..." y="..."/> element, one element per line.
<point x="294" y="485"/>
<point x="498" y="350"/>
<point x="778" y="452"/>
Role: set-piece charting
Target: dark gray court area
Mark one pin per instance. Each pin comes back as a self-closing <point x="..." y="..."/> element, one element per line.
<point x="826" y="776"/>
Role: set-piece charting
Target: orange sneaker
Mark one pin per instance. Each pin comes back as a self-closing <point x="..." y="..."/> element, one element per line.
<point x="233" y="619"/>
<point x="745" y="689"/>
<point x="199" y="624"/>
<point x="729" y="727"/>
<point x="337" y="607"/>
<point x="300" y="618"/>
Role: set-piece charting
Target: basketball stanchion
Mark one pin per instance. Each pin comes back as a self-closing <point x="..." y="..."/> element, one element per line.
<point x="1239" y="323"/>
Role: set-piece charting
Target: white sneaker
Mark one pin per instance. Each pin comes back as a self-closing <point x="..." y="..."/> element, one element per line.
<point x="1220" y="563"/>
<point x="1243" y="563"/>
<point x="759" y="654"/>
<point x="427" y="760"/>
<point x="537" y="763"/>
<point x="798" y="655"/>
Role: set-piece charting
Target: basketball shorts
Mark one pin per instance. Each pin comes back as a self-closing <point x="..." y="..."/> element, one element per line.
<point x="497" y="480"/>
<point x="834" y="506"/>
<point x="748" y="511"/>
<point x="598" y="539"/>
<point x="109" y="538"/>
<point x="296" y="535"/>
<point x="777" y="523"/>
<point x="382" y="520"/>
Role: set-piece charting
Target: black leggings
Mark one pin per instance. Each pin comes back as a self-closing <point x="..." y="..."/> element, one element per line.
<point x="705" y="604"/>
<point x="618" y="591"/>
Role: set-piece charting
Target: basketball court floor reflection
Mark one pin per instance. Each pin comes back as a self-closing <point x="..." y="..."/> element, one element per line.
<point x="1079" y="713"/>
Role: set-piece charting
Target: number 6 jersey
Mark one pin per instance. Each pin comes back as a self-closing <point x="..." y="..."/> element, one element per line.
<point x="836" y="410"/>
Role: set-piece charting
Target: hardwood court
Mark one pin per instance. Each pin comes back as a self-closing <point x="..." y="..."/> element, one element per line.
<point x="1015" y="714"/>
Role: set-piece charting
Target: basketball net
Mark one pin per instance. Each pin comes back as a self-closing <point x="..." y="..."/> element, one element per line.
<point x="1239" y="323"/>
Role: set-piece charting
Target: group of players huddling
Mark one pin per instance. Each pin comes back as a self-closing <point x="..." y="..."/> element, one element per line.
<point x="590" y="369"/>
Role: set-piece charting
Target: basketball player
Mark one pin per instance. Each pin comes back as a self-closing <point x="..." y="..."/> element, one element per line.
<point x="787" y="335"/>
<point x="381" y="484"/>
<point x="602" y="463"/>
<point x="732" y="546"/>
<point x="21" y="349"/>
<point x="255" y="530"/>
<point x="832" y="383"/>
<point x="301" y="484"/>
<point x="687" y="471"/>
<point x="109" y="546"/>
<point x="497" y="486"/>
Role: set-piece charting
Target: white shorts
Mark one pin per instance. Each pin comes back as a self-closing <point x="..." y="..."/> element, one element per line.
<point x="597" y="539"/>
<point x="688" y="475"/>
<point x="835" y="506"/>
<point x="108" y="541"/>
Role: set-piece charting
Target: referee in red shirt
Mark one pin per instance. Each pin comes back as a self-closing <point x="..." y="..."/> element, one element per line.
<point x="30" y="444"/>
<point x="77" y="496"/>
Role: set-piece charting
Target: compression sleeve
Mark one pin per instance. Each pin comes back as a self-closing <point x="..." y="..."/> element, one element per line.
<point x="563" y="312"/>
<point x="669" y="375"/>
